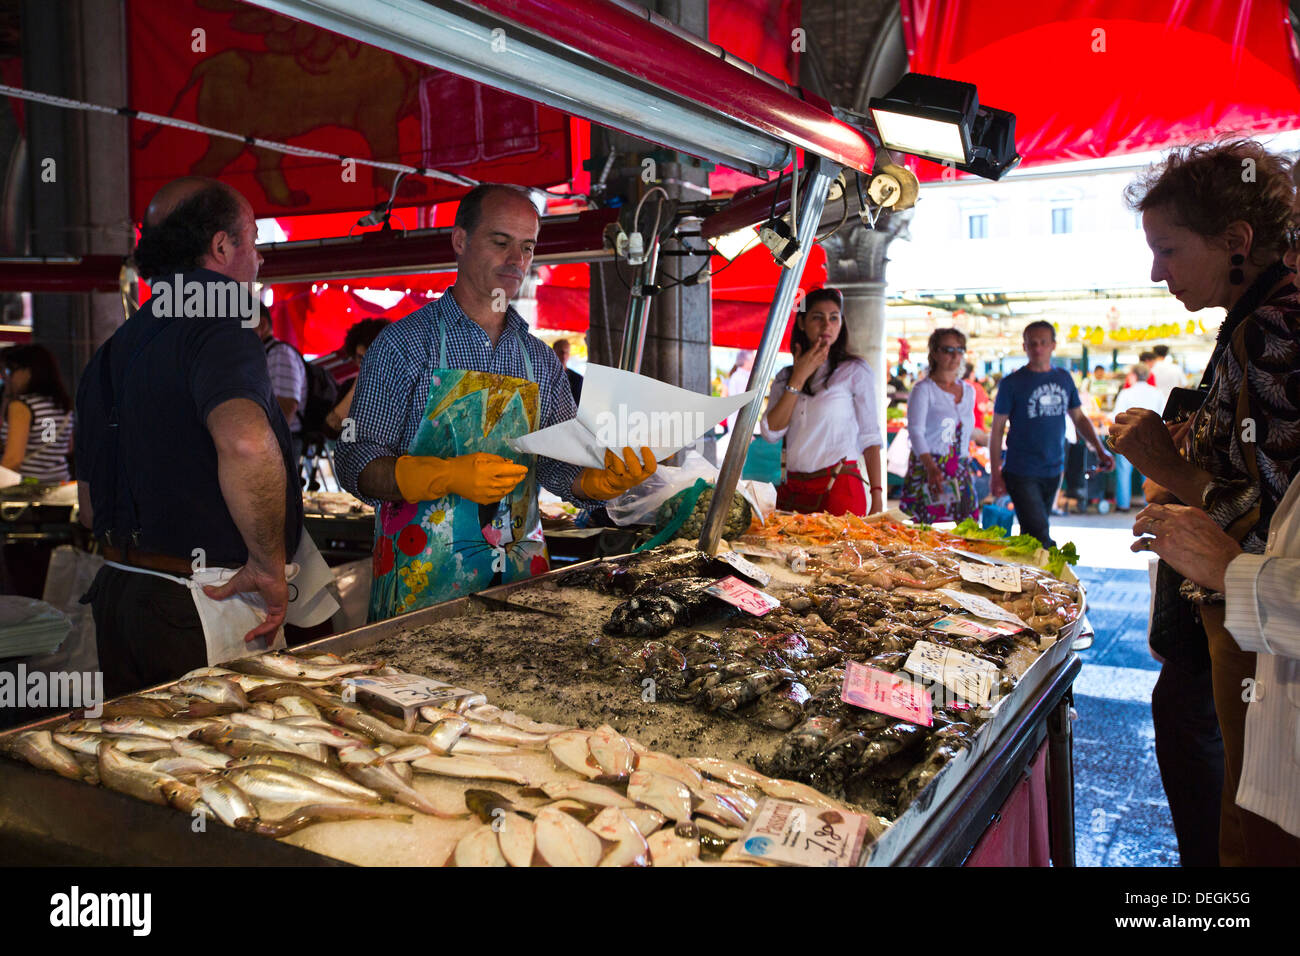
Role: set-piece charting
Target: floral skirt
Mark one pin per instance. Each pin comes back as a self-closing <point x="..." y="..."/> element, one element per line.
<point x="955" y="500"/>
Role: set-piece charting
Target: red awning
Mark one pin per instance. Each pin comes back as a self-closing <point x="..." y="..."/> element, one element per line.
<point x="1094" y="78"/>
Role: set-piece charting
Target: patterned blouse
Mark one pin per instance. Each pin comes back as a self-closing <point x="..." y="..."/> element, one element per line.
<point x="1247" y="433"/>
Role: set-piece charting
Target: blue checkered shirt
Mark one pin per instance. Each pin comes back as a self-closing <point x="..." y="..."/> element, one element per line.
<point x="393" y="387"/>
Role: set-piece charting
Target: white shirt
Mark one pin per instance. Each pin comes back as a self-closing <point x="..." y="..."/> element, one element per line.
<point x="1168" y="375"/>
<point x="933" y="416"/>
<point x="836" y="423"/>
<point x="1140" y="395"/>
<point x="1263" y="615"/>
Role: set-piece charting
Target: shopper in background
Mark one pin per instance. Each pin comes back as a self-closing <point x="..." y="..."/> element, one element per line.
<point x="983" y="404"/>
<point x="288" y="372"/>
<point x="1218" y="240"/>
<point x="1137" y="395"/>
<point x="561" y="347"/>
<point x="1036" y="400"/>
<point x="37" y="426"/>
<point x="1141" y="372"/>
<point x="1262" y="613"/>
<point x="356" y="342"/>
<point x="826" y="408"/>
<point x="939" y="485"/>
<point x="1166" y="373"/>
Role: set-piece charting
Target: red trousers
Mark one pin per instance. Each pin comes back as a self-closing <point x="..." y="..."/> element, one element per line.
<point x="836" y="495"/>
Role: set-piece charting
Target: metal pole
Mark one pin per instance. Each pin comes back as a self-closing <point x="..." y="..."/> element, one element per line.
<point x="812" y="200"/>
<point x="638" y="304"/>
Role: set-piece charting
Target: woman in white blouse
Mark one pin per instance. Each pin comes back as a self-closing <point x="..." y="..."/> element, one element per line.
<point x="938" y="485"/>
<point x="826" y="407"/>
<point x="1262" y="594"/>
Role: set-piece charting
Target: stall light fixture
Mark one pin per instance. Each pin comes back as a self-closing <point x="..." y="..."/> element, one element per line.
<point x="943" y="120"/>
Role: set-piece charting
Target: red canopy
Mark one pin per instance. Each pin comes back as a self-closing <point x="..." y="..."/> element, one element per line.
<point x="1094" y="78"/>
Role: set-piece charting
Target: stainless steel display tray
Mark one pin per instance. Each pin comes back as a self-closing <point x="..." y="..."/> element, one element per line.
<point x="77" y="822"/>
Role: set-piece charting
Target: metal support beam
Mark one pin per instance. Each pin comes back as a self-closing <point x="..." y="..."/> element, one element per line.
<point x="638" y="307"/>
<point x="812" y="201"/>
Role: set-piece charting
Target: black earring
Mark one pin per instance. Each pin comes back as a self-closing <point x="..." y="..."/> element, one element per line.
<point x="1235" y="275"/>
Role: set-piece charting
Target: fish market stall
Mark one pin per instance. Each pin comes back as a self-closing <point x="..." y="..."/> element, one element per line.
<point x="619" y="698"/>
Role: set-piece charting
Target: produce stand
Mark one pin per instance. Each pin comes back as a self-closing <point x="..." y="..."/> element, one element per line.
<point x="44" y="818"/>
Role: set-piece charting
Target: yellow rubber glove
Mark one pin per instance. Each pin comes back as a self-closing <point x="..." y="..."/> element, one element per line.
<point x="618" y="475"/>
<point x="478" y="477"/>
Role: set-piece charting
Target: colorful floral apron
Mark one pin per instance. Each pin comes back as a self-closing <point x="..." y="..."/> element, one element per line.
<point x="433" y="551"/>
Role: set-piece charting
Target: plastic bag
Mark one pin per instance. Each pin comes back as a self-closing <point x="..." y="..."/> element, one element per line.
<point x="640" y="504"/>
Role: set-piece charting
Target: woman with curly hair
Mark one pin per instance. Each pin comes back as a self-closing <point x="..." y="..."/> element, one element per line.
<point x="1218" y="219"/>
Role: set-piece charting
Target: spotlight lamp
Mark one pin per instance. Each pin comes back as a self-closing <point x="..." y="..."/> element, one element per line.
<point x="943" y="120"/>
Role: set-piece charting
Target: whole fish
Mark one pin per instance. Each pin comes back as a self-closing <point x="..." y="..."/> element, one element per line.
<point x="800" y="793"/>
<point x="612" y="751"/>
<point x="218" y="690"/>
<point x="630" y="847"/>
<point x="138" y="707"/>
<point x="446" y="733"/>
<point x="164" y="728"/>
<point x="667" y="848"/>
<point x="670" y="797"/>
<point x="196" y="750"/>
<point x="85" y="743"/>
<point x="41" y="750"/>
<point x="241" y="741"/>
<point x="182" y="768"/>
<point x="516" y="837"/>
<point x="478" y="848"/>
<point x="186" y="798"/>
<point x="326" y="813"/>
<point x="737" y="798"/>
<point x="322" y="773"/>
<point x="670" y="767"/>
<point x="382" y="777"/>
<point x="470" y="768"/>
<point x="288" y="730"/>
<point x="83" y="725"/>
<point x="283" y="786"/>
<point x="483" y="730"/>
<point x="495" y="715"/>
<point x="225" y="798"/>
<point x="569" y="749"/>
<point x="738" y="775"/>
<point x="282" y="665"/>
<point x="563" y="841"/>
<point x="376" y="729"/>
<point x="119" y="772"/>
<point x="298" y="705"/>
<point x="264" y="687"/>
<point x="592" y="793"/>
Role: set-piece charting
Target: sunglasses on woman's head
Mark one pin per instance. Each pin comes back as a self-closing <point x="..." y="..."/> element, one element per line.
<point x="951" y="349"/>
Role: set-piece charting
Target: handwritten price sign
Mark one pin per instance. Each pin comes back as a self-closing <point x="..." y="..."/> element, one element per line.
<point x="894" y="694"/>
<point x="782" y="831"/>
<point x="744" y="596"/>
<point x="999" y="577"/>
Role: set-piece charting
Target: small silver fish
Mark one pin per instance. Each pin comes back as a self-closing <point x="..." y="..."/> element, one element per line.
<point x="41" y="750"/>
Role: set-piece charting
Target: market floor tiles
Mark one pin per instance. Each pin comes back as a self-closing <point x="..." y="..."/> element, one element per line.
<point x="1121" y="814"/>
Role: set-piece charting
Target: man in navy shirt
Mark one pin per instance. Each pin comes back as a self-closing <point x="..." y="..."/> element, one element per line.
<point x="1036" y="399"/>
<point x="183" y="455"/>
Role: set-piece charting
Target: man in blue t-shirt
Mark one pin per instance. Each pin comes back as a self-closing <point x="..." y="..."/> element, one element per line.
<point x="1036" y="399"/>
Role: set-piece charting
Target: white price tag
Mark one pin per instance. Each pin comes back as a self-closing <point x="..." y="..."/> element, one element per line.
<point x="999" y="577"/>
<point x="744" y="596"/>
<point x="964" y="674"/>
<point x="782" y="831"/>
<point x="748" y="568"/>
<point x="410" y="691"/>
<point x="980" y="630"/>
<point x="982" y="607"/>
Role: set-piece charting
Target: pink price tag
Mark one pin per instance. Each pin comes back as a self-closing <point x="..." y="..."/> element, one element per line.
<point x="894" y="694"/>
<point x="744" y="596"/>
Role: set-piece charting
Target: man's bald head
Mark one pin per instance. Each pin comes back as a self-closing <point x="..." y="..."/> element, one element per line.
<point x="183" y="220"/>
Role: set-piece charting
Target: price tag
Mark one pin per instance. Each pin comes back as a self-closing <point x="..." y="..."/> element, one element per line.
<point x="744" y="596"/>
<point x="980" y="630"/>
<point x="782" y="831"/>
<point x="964" y="674"/>
<point x="407" y="693"/>
<point x="748" y="568"/>
<point x="999" y="577"/>
<point x="982" y="607"/>
<point x="755" y="551"/>
<point x="894" y="694"/>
